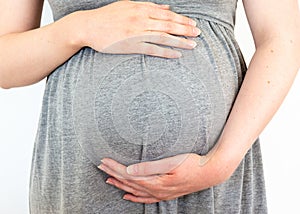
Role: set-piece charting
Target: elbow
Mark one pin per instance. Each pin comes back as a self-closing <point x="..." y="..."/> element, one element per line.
<point x="8" y="81"/>
<point x="4" y="84"/>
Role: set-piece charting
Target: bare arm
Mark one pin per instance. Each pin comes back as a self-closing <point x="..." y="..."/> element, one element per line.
<point x="275" y="26"/>
<point x="28" y="53"/>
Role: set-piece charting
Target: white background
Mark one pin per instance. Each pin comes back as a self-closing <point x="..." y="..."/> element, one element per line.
<point x="20" y="109"/>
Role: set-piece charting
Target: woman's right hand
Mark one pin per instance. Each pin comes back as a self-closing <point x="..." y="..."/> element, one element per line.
<point x="127" y="27"/>
<point x="124" y="27"/>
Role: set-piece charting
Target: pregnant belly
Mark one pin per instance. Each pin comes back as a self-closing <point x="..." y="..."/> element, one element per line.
<point x="136" y="108"/>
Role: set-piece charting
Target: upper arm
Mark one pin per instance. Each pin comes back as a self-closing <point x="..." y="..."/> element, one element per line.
<point x="19" y="15"/>
<point x="273" y="19"/>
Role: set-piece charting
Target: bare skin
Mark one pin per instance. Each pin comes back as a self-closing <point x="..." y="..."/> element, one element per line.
<point x="269" y="77"/>
<point x="28" y="53"/>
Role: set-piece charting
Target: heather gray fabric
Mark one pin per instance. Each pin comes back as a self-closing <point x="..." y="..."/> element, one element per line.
<point x="136" y="108"/>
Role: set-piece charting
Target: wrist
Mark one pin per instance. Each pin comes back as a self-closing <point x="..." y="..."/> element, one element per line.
<point x="73" y="30"/>
<point x="225" y="161"/>
<point x="219" y="164"/>
<point x="82" y="29"/>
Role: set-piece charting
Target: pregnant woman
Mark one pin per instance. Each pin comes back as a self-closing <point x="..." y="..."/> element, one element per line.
<point x="149" y="108"/>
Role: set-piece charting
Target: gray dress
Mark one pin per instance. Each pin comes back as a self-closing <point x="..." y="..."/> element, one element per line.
<point x="134" y="108"/>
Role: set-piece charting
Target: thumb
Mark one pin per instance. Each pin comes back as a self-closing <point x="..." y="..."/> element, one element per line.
<point x="162" y="166"/>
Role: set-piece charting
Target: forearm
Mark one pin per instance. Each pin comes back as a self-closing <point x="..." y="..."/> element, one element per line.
<point x="267" y="82"/>
<point x="28" y="57"/>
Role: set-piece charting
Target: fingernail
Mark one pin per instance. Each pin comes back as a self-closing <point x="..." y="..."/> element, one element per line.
<point x="101" y="167"/>
<point x="192" y="22"/>
<point x="192" y="44"/>
<point x="108" y="182"/>
<point x="196" y="31"/>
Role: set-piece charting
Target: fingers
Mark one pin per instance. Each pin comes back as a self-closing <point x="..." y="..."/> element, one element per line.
<point x="142" y="45"/>
<point x="162" y="166"/>
<point x="172" y="27"/>
<point x="137" y="191"/>
<point x="114" y="169"/>
<point x="150" y="26"/>
<point x="171" y="177"/>
<point x="121" y="174"/>
<point x="117" y="170"/>
<point x="168" y="15"/>
<point x="136" y="194"/>
<point x="136" y="199"/>
<point x="162" y="12"/>
<point x="169" y="40"/>
<point x="138" y="187"/>
<point x="155" y="50"/>
<point x="141" y="190"/>
<point x="162" y="6"/>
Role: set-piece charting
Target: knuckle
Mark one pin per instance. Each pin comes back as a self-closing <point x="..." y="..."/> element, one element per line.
<point x="124" y="181"/>
<point x="168" y="26"/>
<point x="150" y="10"/>
<point x="160" y="196"/>
<point x="182" y="41"/>
<point x="137" y="7"/>
<point x="135" y="192"/>
<point x="163" y="37"/>
<point x="166" y="14"/>
<point x="144" y="9"/>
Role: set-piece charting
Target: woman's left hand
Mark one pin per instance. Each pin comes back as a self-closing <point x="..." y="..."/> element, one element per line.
<point x="165" y="179"/>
